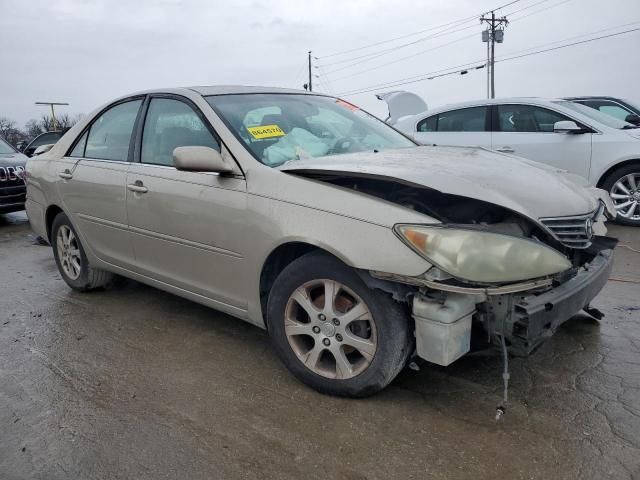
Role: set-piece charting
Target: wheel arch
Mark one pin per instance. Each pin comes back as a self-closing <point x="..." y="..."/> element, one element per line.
<point x="279" y="258"/>
<point x="612" y="168"/>
<point x="49" y="216"/>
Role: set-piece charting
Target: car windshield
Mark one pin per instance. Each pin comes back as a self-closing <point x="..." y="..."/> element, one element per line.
<point x="596" y="115"/>
<point x="634" y="105"/>
<point x="278" y="128"/>
<point x="5" y="148"/>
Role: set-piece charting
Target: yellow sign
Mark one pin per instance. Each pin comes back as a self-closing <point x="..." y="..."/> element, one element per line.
<point x="266" y="131"/>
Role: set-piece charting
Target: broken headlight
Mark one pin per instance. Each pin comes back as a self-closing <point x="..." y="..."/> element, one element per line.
<point x="480" y="256"/>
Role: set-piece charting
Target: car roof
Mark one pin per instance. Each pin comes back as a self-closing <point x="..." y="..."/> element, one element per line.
<point x="494" y="101"/>
<point x="204" y="91"/>
<point x="595" y="97"/>
<point x="243" y="89"/>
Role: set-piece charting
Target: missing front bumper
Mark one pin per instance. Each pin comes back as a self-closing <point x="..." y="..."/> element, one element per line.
<point x="535" y="317"/>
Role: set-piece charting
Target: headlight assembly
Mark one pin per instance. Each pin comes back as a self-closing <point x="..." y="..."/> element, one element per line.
<point x="484" y="257"/>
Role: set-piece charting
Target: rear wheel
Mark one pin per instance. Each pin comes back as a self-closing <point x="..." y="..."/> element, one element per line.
<point x="333" y="332"/>
<point x="623" y="184"/>
<point x="71" y="259"/>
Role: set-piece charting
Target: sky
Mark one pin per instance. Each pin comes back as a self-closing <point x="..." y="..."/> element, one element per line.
<point x="89" y="52"/>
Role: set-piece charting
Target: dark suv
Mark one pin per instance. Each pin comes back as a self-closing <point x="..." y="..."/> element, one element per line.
<point x="12" y="183"/>
<point x="46" y="138"/>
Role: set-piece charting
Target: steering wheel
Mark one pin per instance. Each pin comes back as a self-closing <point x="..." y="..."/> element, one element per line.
<point x="343" y="145"/>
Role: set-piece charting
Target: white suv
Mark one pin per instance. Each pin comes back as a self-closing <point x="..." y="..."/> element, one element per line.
<point x="560" y="133"/>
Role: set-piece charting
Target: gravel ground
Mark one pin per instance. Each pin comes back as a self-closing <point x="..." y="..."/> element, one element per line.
<point x="132" y="382"/>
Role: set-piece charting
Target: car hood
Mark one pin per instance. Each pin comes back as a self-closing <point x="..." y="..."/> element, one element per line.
<point x="526" y="187"/>
<point x="12" y="159"/>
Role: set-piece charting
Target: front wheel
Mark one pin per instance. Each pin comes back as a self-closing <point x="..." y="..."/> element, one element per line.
<point x="623" y="185"/>
<point x="332" y="331"/>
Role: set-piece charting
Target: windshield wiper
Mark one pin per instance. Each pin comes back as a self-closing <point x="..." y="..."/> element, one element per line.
<point x="629" y="127"/>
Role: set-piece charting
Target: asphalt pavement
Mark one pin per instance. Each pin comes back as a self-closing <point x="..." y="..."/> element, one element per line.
<point x="134" y="383"/>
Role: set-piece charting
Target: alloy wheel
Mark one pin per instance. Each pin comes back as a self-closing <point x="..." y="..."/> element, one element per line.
<point x="68" y="252"/>
<point x="625" y="194"/>
<point x="330" y="329"/>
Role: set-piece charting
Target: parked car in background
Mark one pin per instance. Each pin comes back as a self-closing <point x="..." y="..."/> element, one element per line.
<point x="616" y="107"/>
<point x="305" y="215"/>
<point x="47" y="138"/>
<point x="12" y="186"/>
<point x="571" y="136"/>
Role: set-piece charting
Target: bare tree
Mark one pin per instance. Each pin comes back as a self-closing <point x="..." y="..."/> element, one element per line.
<point x="6" y="125"/>
<point x="66" y="121"/>
<point x="33" y="128"/>
<point x="63" y="122"/>
<point x="10" y="132"/>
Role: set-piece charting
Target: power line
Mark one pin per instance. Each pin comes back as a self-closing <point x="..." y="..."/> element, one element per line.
<point x="408" y="56"/>
<point x="426" y="76"/>
<point x="624" y="25"/>
<point x="569" y="44"/>
<point x="372" y="55"/>
<point x="413" y="79"/>
<point x="440" y="46"/>
<point x="429" y="76"/>
<point x="538" y="11"/>
<point x="461" y="21"/>
<point x="527" y="7"/>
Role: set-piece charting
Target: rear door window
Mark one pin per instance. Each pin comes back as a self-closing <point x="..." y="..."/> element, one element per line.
<point x="428" y="124"/>
<point x="110" y="134"/>
<point x="472" y="119"/>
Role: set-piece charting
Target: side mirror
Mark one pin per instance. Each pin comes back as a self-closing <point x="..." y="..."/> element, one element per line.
<point x="567" y="126"/>
<point x="200" y="159"/>
<point x="43" y="149"/>
<point x="20" y="145"/>
<point x="633" y="118"/>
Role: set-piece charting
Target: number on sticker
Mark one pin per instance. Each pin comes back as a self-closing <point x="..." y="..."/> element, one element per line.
<point x="266" y="131"/>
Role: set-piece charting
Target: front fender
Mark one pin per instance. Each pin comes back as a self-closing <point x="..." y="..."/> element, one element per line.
<point x="357" y="243"/>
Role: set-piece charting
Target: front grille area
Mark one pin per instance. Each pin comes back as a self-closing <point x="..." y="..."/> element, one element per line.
<point x="11" y="176"/>
<point x="573" y="232"/>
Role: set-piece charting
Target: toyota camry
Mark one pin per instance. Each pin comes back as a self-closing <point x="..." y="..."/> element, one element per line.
<point x="355" y="248"/>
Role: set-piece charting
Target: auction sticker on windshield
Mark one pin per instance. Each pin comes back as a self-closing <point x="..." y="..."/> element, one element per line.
<point x="266" y="131"/>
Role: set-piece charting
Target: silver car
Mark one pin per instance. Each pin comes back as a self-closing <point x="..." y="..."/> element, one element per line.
<point x="302" y="214"/>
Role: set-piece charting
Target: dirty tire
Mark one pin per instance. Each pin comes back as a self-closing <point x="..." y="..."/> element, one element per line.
<point x="89" y="278"/>
<point x="610" y="181"/>
<point x="391" y="321"/>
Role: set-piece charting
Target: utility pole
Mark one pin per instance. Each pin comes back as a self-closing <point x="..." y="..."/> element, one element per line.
<point x="492" y="35"/>
<point x="53" y="113"/>
<point x="310" y="81"/>
<point x="486" y="34"/>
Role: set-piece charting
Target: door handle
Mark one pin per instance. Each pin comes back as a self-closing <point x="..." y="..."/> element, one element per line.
<point x="505" y="150"/>
<point x="66" y="175"/>
<point x="137" y="187"/>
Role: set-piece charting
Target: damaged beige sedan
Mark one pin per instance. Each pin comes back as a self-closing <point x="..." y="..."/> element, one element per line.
<point x="302" y="214"/>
